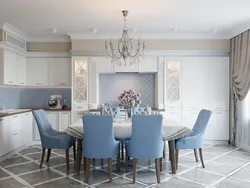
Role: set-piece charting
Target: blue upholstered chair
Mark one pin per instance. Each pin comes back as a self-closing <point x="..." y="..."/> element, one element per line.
<point x="146" y="141"/>
<point x="52" y="139"/>
<point x="195" y="139"/>
<point x="142" y="111"/>
<point x="99" y="141"/>
<point x="109" y="110"/>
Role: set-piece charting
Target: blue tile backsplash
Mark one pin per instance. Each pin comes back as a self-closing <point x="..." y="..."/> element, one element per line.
<point x="111" y="85"/>
<point x="31" y="97"/>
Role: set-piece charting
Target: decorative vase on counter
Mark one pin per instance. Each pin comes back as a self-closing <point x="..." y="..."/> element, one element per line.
<point x="129" y="113"/>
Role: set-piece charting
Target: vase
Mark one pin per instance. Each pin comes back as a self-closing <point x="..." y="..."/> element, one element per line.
<point x="129" y="113"/>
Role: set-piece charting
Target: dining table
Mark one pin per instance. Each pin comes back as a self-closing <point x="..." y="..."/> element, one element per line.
<point x="171" y="131"/>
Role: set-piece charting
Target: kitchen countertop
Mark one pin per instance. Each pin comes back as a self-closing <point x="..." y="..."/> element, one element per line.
<point x="11" y="112"/>
<point x="153" y="109"/>
<point x="53" y="110"/>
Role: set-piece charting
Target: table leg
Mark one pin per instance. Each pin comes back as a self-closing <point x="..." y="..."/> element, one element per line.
<point x="171" y="145"/>
<point x="79" y="156"/>
<point x="164" y="150"/>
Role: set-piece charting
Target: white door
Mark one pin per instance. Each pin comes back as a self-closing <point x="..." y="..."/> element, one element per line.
<point x="64" y="120"/>
<point x="21" y="70"/>
<point x="60" y="71"/>
<point x="218" y="126"/>
<point x="15" y="131"/>
<point x="4" y="135"/>
<point x="148" y="64"/>
<point x="105" y="65"/>
<point x="10" y="68"/>
<point x="189" y="118"/>
<point x="53" y="119"/>
<point x="38" y="71"/>
<point x="217" y="83"/>
<point x="193" y="83"/>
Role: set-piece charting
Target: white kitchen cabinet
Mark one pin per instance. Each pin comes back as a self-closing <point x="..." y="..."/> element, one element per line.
<point x="10" y="69"/>
<point x="21" y="70"/>
<point x="38" y="71"/>
<point x="189" y="118"/>
<point x="217" y="128"/>
<point x="15" y="123"/>
<point x="60" y="71"/>
<point x="105" y="65"/>
<point x="148" y="64"/>
<point x="53" y="119"/>
<point x="27" y="127"/>
<point x="4" y="135"/>
<point x="193" y="83"/>
<point x="64" y="120"/>
<point x="217" y="83"/>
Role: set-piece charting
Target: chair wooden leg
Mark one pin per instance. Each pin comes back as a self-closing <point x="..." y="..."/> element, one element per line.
<point x="118" y="162"/>
<point x="201" y="157"/>
<point x="157" y="169"/>
<point x="74" y="151"/>
<point x="196" y="156"/>
<point x="122" y="150"/>
<point x="94" y="163"/>
<point x="149" y="163"/>
<point x="171" y="144"/>
<point x="134" y="166"/>
<point x="126" y="163"/>
<point x="102" y="163"/>
<point x="48" y="155"/>
<point x="43" y="154"/>
<point x="67" y="159"/>
<point x="161" y="164"/>
<point x="176" y="158"/>
<point x="87" y="170"/>
<point x="110" y="169"/>
<point x="84" y="163"/>
<point x="79" y="155"/>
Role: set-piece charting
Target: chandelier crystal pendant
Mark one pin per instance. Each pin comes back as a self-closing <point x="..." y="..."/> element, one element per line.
<point x="125" y="50"/>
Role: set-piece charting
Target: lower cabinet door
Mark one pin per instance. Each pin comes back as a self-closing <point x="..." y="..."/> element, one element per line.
<point x="4" y="136"/>
<point x="15" y="131"/>
<point x="27" y="127"/>
<point x="189" y="118"/>
<point x="64" y="120"/>
<point x="218" y="126"/>
<point x="53" y="119"/>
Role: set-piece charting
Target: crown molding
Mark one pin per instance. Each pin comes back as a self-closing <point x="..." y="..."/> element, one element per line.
<point x="12" y="48"/>
<point x="169" y="53"/>
<point x="64" y="38"/>
<point x="14" y="31"/>
<point x="212" y="36"/>
<point x="49" y="54"/>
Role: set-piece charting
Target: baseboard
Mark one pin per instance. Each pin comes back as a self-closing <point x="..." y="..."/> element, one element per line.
<point x="216" y="142"/>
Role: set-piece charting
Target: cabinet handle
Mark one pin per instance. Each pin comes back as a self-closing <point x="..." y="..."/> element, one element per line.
<point x="63" y="84"/>
<point x="27" y="114"/>
<point x="10" y="82"/>
<point x="218" y="108"/>
<point x="15" y="134"/>
<point x="39" y="83"/>
<point x="22" y="83"/>
<point x="14" y="116"/>
<point x="80" y="113"/>
<point x="218" y="112"/>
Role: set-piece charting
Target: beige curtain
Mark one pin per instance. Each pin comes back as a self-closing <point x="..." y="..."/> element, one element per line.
<point x="240" y="82"/>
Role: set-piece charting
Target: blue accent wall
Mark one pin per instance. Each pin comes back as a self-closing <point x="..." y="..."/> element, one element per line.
<point x="111" y="85"/>
<point x="31" y="97"/>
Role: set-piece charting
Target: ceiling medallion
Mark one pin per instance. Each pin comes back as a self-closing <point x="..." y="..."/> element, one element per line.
<point x="125" y="50"/>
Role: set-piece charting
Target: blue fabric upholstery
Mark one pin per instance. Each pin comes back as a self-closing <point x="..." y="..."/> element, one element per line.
<point x="195" y="139"/>
<point x="99" y="141"/>
<point x="142" y="111"/>
<point x="51" y="138"/>
<point x="146" y="140"/>
<point x="114" y="111"/>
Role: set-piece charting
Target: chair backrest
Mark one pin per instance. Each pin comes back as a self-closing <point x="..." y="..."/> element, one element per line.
<point x="142" y="111"/>
<point x="42" y="122"/>
<point x="201" y="122"/>
<point x="146" y="140"/>
<point x="98" y="136"/>
<point x="109" y="110"/>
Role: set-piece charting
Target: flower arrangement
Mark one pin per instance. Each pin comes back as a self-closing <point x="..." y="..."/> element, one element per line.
<point x="128" y="99"/>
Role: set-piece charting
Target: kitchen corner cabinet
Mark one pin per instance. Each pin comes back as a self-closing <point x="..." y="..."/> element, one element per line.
<point x="12" y="68"/>
<point x="59" y="121"/>
<point x="4" y="135"/>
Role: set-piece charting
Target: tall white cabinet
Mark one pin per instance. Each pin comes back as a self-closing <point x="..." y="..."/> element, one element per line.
<point x="205" y="85"/>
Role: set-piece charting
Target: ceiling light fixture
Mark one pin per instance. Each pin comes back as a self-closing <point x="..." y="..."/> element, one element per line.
<point x="125" y="50"/>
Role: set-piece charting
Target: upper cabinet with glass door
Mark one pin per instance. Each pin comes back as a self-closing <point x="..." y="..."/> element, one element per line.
<point x="80" y="83"/>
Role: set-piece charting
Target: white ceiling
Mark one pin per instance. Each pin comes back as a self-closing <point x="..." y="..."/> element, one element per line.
<point x="150" y="18"/>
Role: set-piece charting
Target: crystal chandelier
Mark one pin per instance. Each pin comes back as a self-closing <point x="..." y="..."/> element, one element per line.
<point x="125" y="49"/>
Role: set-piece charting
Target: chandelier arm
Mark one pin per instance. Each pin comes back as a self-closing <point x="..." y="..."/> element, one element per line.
<point x="107" y="49"/>
<point x="115" y="56"/>
<point x="137" y="51"/>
